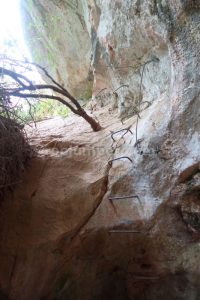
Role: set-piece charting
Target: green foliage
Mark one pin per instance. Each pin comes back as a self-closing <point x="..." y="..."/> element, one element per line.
<point x="50" y="108"/>
<point x="40" y="110"/>
<point x="88" y="92"/>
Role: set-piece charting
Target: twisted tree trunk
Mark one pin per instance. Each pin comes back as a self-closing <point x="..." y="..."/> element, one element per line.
<point x="23" y="87"/>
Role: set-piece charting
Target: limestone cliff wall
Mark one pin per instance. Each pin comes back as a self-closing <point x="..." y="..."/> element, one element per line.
<point x="64" y="235"/>
<point x="90" y="45"/>
<point x="59" y="40"/>
<point x="93" y="45"/>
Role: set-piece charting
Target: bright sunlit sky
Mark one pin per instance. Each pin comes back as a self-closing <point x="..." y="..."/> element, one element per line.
<point x="10" y="25"/>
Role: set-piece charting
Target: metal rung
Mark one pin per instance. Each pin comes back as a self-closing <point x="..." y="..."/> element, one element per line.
<point x="125" y="129"/>
<point x="124" y="231"/>
<point x="122" y="157"/>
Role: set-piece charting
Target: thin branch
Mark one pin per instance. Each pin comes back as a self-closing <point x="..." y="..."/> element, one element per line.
<point x="36" y="87"/>
<point x="57" y="88"/>
<point x="39" y="67"/>
<point x="43" y="96"/>
<point x="15" y="76"/>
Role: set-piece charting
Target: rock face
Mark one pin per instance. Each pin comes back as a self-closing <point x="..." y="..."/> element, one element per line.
<point x="58" y="39"/>
<point x="102" y="44"/>
<point x="64" y="234"/>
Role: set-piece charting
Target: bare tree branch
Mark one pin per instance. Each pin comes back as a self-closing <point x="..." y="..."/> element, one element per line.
<point x="37" y="66"/>
<point x="27" y="89"/>
<point x="43" y="96"/>
<point x="14" y="76"/>
<point x="37" y="87"/>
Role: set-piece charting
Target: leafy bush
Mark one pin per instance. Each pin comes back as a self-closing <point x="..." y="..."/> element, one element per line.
<point x="40" y="110"/>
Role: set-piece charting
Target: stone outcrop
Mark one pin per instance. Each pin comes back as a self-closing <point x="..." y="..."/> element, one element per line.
<point x="64" y="235"/>
<point x="59" y="40"/>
